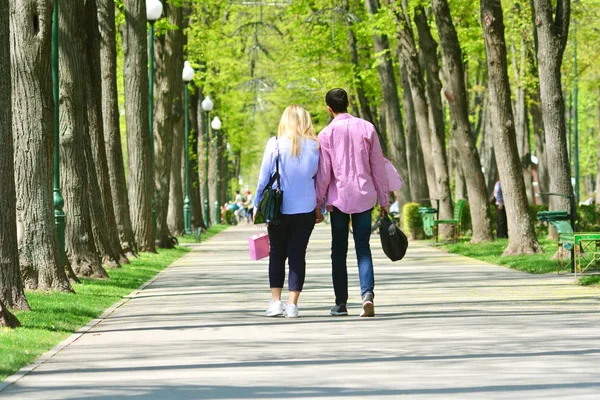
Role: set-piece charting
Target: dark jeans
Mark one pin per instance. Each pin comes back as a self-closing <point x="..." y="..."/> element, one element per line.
<point x="361" y="230"/>
<point x="501" y="224"/>
<point x="289" y="240"/>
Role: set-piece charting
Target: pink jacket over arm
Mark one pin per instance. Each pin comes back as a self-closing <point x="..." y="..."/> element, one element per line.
<point x="352" y="175"/>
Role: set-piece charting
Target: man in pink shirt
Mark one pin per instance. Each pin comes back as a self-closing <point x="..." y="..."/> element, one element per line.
<point x="351" y="179"/>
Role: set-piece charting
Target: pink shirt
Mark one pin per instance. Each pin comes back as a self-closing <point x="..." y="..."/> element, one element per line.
<point x="352" y="175"/>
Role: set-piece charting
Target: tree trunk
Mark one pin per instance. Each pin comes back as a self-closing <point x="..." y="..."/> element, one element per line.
<point x="521" y="120"/>
<point x="111" y="124"/>
<point x="104" y="224"/>
<point x="175" y="213"/>
<point x="201" y="143"/>
<point x="365" y="109"/>
<point x="135" y="70"/>
<point x="432" y="143"/>
<point x="521" y="234"/>
<point x="456" y="95"/>
<point x="169" y="90"/>
<point x="33" y="135"/>
<point x="391" y="106"/>
<point x="195" y="186"/>
<point x="552" y="36"/>
<point x="11" y="286"/>
<point x="80" y="246"/>
<point x="412" y="154"/>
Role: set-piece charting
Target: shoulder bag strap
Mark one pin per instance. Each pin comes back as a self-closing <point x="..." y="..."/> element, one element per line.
<point x="277" y="164"/>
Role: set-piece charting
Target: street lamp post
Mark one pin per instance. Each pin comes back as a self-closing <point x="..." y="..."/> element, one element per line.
<point x="207" y="106"/>
<point x="154" y="10"/>
<point x="216" y="126"/>
<point x="188" y="75"/>
<point x="59" y="202"/>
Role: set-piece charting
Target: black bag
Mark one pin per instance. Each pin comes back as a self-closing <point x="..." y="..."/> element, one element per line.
<point x="269" y="207"/>
<point x="393" y="240"/>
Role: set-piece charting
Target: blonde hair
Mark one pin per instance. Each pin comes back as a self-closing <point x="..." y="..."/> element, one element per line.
<point x="296" y="124"/>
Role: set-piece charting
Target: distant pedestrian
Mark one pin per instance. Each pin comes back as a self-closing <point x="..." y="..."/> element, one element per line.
<point x="501" y="223"/>
<point x="351" y="181"/>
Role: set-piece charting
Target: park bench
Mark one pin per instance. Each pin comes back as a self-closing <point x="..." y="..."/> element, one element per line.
<point x="584" y="247"/>
<point x="455" y="221"/>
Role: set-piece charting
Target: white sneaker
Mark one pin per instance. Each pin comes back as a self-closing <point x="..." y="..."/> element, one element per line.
<point x="291" y="311"/>
<point x="275" y="309"/>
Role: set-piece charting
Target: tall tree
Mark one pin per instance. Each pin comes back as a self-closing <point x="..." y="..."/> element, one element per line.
<point x="365" y="108"/>
<point x="521" y="234"/>
<point x="111" y="124"/>
<point x="80" y="246"/>
<point x="175" y="212"/>
<point x="552" y="29"/>
<point x="195" y="186"/>
<point x="33" y="133"/>
<point x="456" y="94"/>
<point x="597" y="199"/>
<point x="168" y="88"/>
<point x="135" y="70"/>
<point x="391" y="105"/>
<point x="11" y="286"/>
<point x="432" y="143"/>
<point x="104" y="224"/>
<point x="419" y="188"/>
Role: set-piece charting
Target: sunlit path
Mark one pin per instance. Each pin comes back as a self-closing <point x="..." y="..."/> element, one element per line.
<point x="446" y="327"/>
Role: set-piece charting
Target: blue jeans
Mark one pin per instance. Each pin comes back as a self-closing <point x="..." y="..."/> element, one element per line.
<point x="361" y="228"/>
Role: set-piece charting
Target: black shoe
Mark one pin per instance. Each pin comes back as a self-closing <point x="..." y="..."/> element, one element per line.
<point x="368" y="308"/>
<point x="339" y="310"/>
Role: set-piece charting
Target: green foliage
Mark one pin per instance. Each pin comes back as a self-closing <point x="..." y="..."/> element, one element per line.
<point x="588" y="218"/>
<point x="591" y="280"/>
<point x="412" y="221"/>
<point x="54" y="316"/>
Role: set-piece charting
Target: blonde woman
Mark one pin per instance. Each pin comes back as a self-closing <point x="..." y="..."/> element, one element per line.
<point x="298" y="150"/>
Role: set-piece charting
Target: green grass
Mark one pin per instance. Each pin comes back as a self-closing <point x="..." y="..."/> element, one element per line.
<point x="492" y="253"/>
<point x="212" y="231"/>
<point x="592" y="280"/>
<point x="55" y="316"/>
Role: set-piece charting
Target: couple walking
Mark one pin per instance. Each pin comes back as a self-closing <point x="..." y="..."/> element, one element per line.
<point x="343" y="171"/>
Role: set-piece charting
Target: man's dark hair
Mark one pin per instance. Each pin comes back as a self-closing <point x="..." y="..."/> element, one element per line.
<point x="337" y="100"/>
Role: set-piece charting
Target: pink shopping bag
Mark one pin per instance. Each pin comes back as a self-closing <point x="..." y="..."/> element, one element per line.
<point x="259" y="246"/>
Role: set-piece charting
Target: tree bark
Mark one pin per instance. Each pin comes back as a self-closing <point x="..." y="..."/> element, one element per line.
<point x="521" y="120"/>
<point x="365" y="109"/>
<point x="135" y="70"/>
<point x="175" y="212"/>
<point x="391" y="106"/>
<point x="80" y="246"/>
<point x="111" y="124"/>
<point x="104" y="224"/>
<point x="169" y="90"/>
<point x="552" y="34"/>
<point x="432" y="143"/>
<point x="456" y="95"/>
<point x="195" y="186"/>
<point x="11" y="286"/>
<point x="417" y="176"/>
<point x="33" y="137"/>
<point x="521" y="234"/>
<point x="201" y="156"/>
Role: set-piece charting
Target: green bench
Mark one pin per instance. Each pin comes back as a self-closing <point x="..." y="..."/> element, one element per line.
<point x="581" y="245"/>
<point x="455" y="221"/>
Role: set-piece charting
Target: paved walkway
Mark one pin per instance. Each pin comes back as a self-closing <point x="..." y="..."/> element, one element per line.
<point x="447" y="327"/>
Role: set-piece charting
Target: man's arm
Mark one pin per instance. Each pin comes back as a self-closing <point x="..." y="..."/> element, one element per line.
<point x="378" y="171"/>
<point x="323" y="173"/>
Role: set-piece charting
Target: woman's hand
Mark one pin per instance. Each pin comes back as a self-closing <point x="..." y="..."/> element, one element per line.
<point x="319" y="216"/>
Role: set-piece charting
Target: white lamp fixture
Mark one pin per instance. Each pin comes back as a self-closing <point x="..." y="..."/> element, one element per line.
<point x="188" y="72"/>
<point x="216" y="124"/>
<point x="154" y="9"/>
<point x="207" y="104"/>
